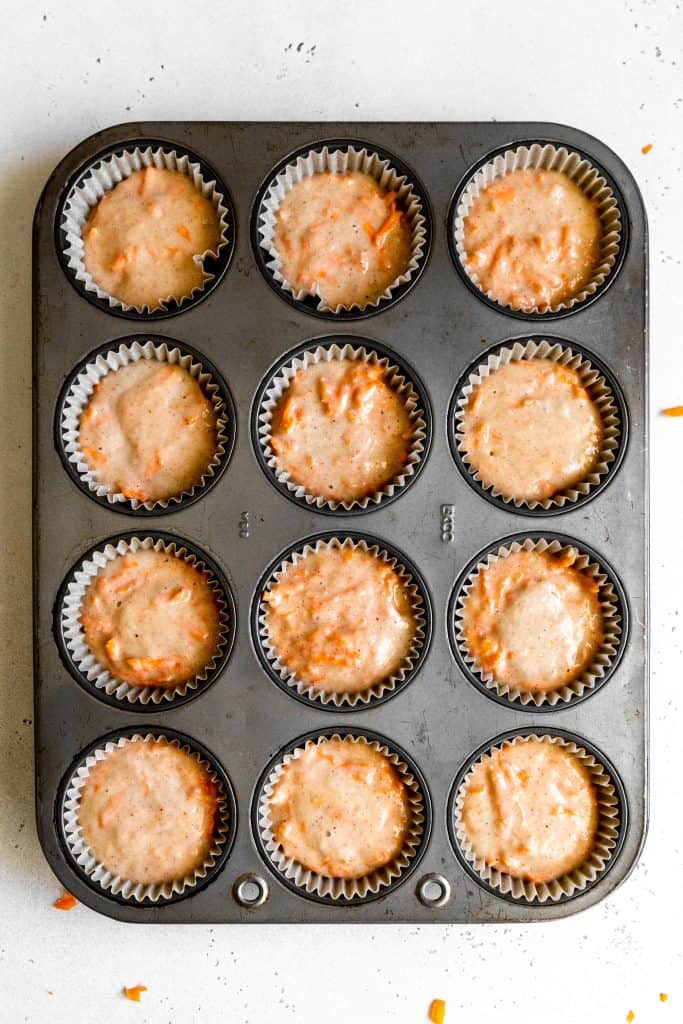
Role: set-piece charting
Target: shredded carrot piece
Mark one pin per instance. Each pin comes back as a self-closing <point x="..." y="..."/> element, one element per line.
<point x="437" y="1011"/>
<point x="673" y="410"/>
<point x="134" y="993"/>
<point x="153" y="466"/>
<point x="287" y="414"/>
<point x="151" y="664"/>
<point x="184" y="233"/>
<point x="630" y="1016"/>
<point x="383" y="232"/>
<point x="94" y="454"/>
<point x="646" y="149"/>
<point x="198" y="634"/>
<point x="663" y="997"/>
<point x="65" y="902"/>
<point x="113" y="648"/>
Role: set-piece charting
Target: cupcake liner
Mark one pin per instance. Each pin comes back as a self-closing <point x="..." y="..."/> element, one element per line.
<point x="84" y="661"/>
<point x="341" y="161"/>
<point x="584" y="174"/>
<point x="396" y="377"/>
<point x="80" y="390"/>
<point x="612" y="622"/>
<point x="344" y="889"/>
<point x="385" y="687"/>
<point x="600" y="390"/>
<point x="96" y="872"/>
<point x="103" y="176"/>
<point x="607" y="836"/>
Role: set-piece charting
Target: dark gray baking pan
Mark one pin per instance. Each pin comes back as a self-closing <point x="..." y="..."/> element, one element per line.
<point x="436" y="327"/>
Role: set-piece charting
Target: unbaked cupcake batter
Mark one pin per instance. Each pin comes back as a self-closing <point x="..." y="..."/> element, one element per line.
<point x="531" y="430"/>
<point x="532" y="238"/>
<point x="147" y="812"/>
<point x="340" y="809"/>
<point x="530" y="810"/>
<point x="144" y="240"/>
<point x="341" y="431"/>
<point x="532" y="620"/>
<point x="340" y="619"/>
<point x="148" y="431"/>
<point x="343" y="237"/>
<point x="151" y="619"/>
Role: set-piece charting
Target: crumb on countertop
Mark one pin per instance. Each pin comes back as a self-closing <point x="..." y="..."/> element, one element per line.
<point x="65" y="902"/>
<point x="646" y="149"/>
<point x="437" y="1011"/>
<point x="134" y="993"/>
<point x="663" y="997"/>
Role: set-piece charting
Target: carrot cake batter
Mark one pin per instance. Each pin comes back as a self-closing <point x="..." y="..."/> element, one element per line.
<point x="531" y="430"/>
<point x="144" y="240"/>
<point x="340" y="619"/>
<point x="341" y="431"/>
<point x="343" y="237"/>
<point x="532" y="238"/>
<point x="530" y="810"/>
<point x="532" y="620"/>
<point x="148" y="431"/>
<point x="151" y="619"/>
<point x="340" y="809"/>
<point x="147" y="812"/>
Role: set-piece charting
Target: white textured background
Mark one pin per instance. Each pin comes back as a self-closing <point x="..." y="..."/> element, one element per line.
<point x="69" y="69"/>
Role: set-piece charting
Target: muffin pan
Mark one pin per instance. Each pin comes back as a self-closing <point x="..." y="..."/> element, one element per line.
<point x="439" y="524"/>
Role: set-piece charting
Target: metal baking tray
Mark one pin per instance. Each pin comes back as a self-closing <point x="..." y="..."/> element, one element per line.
<point x="244" y="326"/>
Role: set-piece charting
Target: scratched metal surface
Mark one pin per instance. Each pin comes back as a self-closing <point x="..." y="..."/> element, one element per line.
<point x="244" y="327"/>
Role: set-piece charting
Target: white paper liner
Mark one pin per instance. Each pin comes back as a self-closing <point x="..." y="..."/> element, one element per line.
<point x="96" y="871"/>
<point x="606" y="836"/>
<point x="344" y="888"/>
<point x="81" y="392"/>
<point x="611" y="624"/>
<point x="103" y="176"/>
<point x="74" y="636"/>
<point x="393" y="376"/>
<point x="341" y="161"/>
<point x="598" y="390"/>
<point x="583" y="174"/>
<point x="384" y="686"/>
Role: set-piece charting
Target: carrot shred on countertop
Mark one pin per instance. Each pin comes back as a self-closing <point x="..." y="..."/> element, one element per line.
<point x="65" y="902"/>
<point x="630" y="1016"/>
<point x="673" y="410"/>
<point x="437" y="1011"/>
<point x="134" y="993"/>
<point x="646" y="149"/>
<point x="663" y="997"/>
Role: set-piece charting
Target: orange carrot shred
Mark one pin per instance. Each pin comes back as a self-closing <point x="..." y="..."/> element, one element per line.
<point x="663" y="997"/>
<point x="646" y="149"/>
<point x="630" y="1016"/>
<point x="65" y="902"/>
<point x="673" y="410"/>
<point x="134" y="993"/>
<point x="437" y="1011"/>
